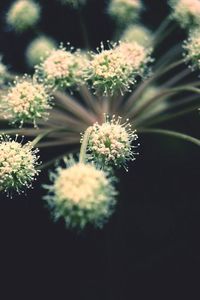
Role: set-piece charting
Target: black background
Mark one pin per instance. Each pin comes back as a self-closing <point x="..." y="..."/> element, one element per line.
<point x="150" y="248"/>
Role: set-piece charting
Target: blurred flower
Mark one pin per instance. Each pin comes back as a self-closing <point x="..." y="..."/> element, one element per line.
<point x="111" y="143"/>
<point x="17" y="164"/>
<point x="125" y="11"/>
<point x="39" y="49"/>
<point x="23" y="14"/>
<point x="186" y="12"/>
<point x="138" y="33"/>
<point x="26" y="100"/>
<point x="81" y="194"/>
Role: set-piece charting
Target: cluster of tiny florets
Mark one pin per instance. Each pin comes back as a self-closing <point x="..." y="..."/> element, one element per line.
<point x="39" y="49"/>
<point x="138" y="33"/>
<point x="111" y="142"/>
<point x="186" y="12"/>
<point x="192" y="49"/>
<point x="26" y="100"/>
<point x="115" y="70"/>
<point x="125" y="11"/>
<point x="23" y="14"/>
<point x="17" y="164"/>
<point x="62" y="68"/>
<point x="81" y="195"/>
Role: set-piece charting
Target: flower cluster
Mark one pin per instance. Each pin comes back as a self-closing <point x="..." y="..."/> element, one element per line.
<point x="23" y="14"/>
<point x="26" y="100"/>
<point x="17" y="164"/>
<point x="111" y="143"/>
<point x="62" y="68"/>
<point x="82" y="195"/>
<point x="39" y="49"/>
<point x="186" y="12"/>
<point x="192" y="47"/>
<point x="125" y="11"/>
<point x="115" y="70"/>
<point x="138" y="33"/>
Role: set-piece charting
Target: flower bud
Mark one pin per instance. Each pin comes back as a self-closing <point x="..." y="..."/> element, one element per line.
<point x="125" y="11"/>
<point x="139" y="34"/>
<point x="39" y="49"/>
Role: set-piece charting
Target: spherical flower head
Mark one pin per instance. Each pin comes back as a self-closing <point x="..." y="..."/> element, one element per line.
<point x="23" y="14"/>
<point x="73" y="3"/>
<point x="111" y="143"/>
<point x="81" y="195"/>
<point x="17" y="164"/>
<point x="125" y="11"/>
<point x="115" y="70"/>
<point x="39" y="49"/>
<point x="61" y="69"/>
<point x="186" y="12"/>
<point x="139" y="34"/>
<point x="192" y="49"/>
<point x="26" y="100"/>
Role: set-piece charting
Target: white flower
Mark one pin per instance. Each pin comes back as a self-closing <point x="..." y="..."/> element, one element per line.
<point x="81" y="195"/>
<point x="17" y="164"/>
<point x="39" y="49"/>
<point x="115" y="70"/>
<point x="111" y="143"/>
<point x="186" y="12"/>
<point x="192" y="47"/>
<point x="27" y="100"/>
<point x="62" y="68"/>
<point x="23" y="14"/>
<point x="138" y="33"/>
<point x="125" y="11"/>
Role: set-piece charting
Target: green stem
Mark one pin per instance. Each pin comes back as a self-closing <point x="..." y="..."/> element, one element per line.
<point x="171" y="133"/>
<point x="165" y="23"/>
<point x="83" y="151"/>
<point x="43" y="135"/>
<point x="187" y="88"/>
<point x="128" y="107"/>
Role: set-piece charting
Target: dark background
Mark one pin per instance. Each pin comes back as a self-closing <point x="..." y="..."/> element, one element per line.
<point x="150" y="248"/>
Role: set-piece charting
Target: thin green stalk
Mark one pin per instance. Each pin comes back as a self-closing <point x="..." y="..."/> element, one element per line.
<point x="83" y="151"/>
<point x="185" y="137"/>
<point x="160" y="72"/>
<point x="45" y="134"/>
<point x="187" y="88"/>
<point x="171" y="116"/>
